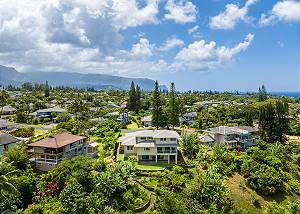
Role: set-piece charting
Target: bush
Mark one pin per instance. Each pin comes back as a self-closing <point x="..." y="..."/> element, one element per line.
<point x="23" y="132"/>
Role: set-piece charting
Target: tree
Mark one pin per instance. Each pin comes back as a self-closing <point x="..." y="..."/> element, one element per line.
<point x="262" y="93"/>
<point x="3" y="97"/>
<point x="47" y="90"/>
<point x="189" y="145"/>
<point x="273" y="121"/>
<point x="157" y="110"/>
<point x="173" y="108"/>
<point x="137" y="99"/>
<point x="132" y="98"/>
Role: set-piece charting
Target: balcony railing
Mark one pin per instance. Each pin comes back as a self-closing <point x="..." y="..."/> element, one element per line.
<point x="166" y="151"/>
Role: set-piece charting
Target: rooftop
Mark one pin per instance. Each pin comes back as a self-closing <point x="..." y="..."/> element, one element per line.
<point x="225" y="130"/>
<point x="7" y="139"/>
<point x="57" y="141"/>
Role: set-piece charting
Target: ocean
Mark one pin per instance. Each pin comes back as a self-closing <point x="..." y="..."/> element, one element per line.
<point x="287" y="94"/>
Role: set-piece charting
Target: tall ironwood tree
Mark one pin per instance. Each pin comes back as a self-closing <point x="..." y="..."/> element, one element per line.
<point x="157" y="110"/>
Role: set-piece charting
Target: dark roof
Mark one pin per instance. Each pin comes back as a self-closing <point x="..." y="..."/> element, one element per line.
<point x="57" y="141"/>
<point x="7" y="139"/>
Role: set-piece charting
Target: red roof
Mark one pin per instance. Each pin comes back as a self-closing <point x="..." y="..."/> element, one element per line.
<point x="57" y="141"/>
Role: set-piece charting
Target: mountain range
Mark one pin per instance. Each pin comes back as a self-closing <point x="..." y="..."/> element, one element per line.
<point x="10" y="76"/>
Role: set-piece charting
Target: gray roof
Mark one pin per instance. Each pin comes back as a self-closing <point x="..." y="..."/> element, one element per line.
<point x="7" y="139"/>
<point x="158" y="134"/>
<point x="7" y="109"/>
<point x="130" y="138"/>
<point x="50" y="110"/>
<point x="225" y="130"/>
<point x="190" y="114"/>
<point x="206" y="139"/>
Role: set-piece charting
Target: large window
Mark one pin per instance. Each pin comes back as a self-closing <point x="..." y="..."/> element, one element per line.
<point x="146" y="149"/>
<point x="163" y="139"/>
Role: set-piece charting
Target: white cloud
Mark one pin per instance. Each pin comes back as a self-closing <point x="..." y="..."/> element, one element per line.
<point x="288" y="11"/>
<point x="171" y="43"/>
<point x="202" y="55"/>
<point x="181" y="11"/>
<point x="72" y="35"/>
<point x="142" y="49"/>
<point x="193" y="29"/>
<point x="231" y="16"/>
<point x="128" y="13"/>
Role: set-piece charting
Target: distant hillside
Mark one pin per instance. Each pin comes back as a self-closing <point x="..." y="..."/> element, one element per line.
<point x="9" y="75"/>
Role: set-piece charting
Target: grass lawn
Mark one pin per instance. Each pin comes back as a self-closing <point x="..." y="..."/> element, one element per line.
<point x="39" y="132"/>
<point x="153" y="167"/>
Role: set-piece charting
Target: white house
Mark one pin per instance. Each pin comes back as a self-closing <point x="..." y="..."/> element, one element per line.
<point x="151" y="145"/>
<point x="232" y="137"/>
<point x="147" y="121"/>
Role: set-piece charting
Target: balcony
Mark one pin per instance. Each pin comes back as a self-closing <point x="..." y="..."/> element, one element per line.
<point x="166" y="151"/>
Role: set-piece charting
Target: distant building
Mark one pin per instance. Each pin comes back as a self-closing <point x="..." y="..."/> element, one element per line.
<point x="151" y="145"/>
<point x="50" y="113"/>
<point x="7" y="141"/>
<point x="232" y="137"/>
<point x="123" y="118"/>
<point x="188" y="118"/>
<point x="147" y="121"/>
<point x="7" y="110"/>
<point x="47" y="153"/>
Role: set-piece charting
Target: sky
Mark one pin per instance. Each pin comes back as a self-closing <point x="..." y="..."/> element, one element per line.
<point x="222" y="45"/>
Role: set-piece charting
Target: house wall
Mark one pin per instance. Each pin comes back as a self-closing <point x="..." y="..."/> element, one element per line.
<point x="129" y="152"/>
<point x="141" y="151"/>
<point x="8" y="146"/>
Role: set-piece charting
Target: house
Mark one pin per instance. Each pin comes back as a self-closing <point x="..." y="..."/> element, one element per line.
<point x="7" y="141"/>
<point x="188" y="118"/>
<point x="123" y="118"/>
<point x="233" y="137"/>
<point x="3" y="125"/>
<point x="151" y="145"/>
<point x="47" y="153"/>
<point x="147" y="121"/>
<point x="48" y="113"/>
<point x="8" y="110"/>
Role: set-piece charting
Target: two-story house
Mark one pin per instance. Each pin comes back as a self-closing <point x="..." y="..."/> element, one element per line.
<point x="151" y="145"/>
<point x="47" y="153"/>
<point x="233" y="137"/>
<point x="147" y="121"/>
<point x="48" y="113"/>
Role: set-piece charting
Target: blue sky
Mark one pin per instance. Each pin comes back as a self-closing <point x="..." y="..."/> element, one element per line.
<point x="200" y="45"/>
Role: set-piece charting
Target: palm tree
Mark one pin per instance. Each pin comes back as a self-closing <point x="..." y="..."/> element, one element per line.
<point x="5" y="184"/>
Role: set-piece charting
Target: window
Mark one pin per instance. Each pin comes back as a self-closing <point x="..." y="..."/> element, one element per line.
<point x="163" y="139"/>
<point x="173" y="139"/>
<point x="159" y="148"/>
<point x="129" y="147"/>
<point x="145" y="157"/>
<point x="146" y="149"/>
<point x="72" y="145"/>
<point x="143" y="138"/>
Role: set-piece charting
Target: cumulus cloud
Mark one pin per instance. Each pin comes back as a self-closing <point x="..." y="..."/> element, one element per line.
<point x="53" y="35"/>
<point x="128" y="13"/>
<point x="231" y="16"/>
<point x="202" y="55"/>
<point x="288" y="11"/>
<point x="171" y="43"/>
<point x="142" y="49"/>
<point x="181" y="11"/>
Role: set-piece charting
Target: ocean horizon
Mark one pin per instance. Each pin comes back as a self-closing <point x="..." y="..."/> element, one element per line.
<point x="294" y="94"/>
